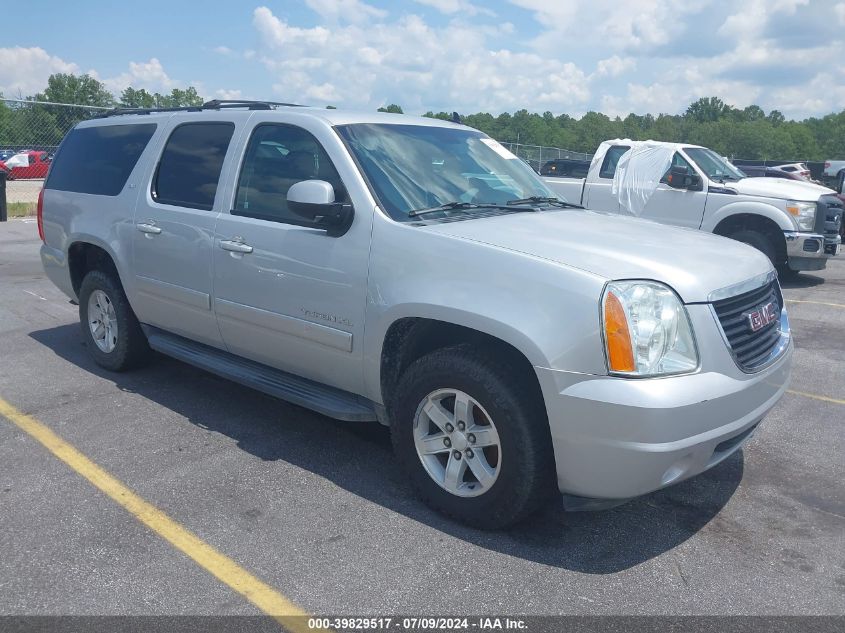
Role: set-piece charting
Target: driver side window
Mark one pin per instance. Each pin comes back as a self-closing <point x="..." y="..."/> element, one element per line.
<point x="277" y="157"/>
<point x="677" y="161"/>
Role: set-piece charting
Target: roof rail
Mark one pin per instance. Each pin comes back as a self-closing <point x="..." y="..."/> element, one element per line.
<point x="214" y="104"/>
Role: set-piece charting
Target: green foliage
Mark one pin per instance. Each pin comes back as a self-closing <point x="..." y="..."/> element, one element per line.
<point x="132" y="98"/>
<point x="740" y="133"/>
<point x="392" y="108"/>
<point x="75" y="89"/>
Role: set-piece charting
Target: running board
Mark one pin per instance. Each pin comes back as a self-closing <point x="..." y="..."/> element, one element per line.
<point x="328" y="401"/>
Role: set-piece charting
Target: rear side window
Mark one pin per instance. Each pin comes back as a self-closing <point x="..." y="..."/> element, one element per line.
<point x="611" y="160"/>
<point x="189" y="169"/>
<point x="99" y="160"/>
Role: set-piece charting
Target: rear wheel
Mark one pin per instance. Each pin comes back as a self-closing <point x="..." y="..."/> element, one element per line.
<point x="473" y="437"/>
<point x="109" y="326"/>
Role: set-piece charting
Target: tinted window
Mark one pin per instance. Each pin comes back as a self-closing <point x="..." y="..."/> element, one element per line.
<point x="98" y="160"/>
<point x="277" y="157"/>
<point x="190" y="165"/>
<point x="611" y="159"/>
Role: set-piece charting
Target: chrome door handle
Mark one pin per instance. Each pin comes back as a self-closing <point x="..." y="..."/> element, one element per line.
<point x="235" y="246"/>
<point x="148" y="227"/>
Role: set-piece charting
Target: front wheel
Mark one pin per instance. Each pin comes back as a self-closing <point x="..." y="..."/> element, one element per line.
<point x="840" y="185"/>
<point x="473" y="437"/>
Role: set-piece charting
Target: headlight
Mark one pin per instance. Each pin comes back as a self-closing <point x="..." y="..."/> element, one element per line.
<point x="646" y="330"/>
<point x="804" y="212"/>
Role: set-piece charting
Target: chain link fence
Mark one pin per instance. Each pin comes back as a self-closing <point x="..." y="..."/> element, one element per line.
<point x="30" y="133"/>
<point x="537" y="155"/>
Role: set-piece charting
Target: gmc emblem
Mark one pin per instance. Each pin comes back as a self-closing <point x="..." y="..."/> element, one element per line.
<point x="762" y="316"/>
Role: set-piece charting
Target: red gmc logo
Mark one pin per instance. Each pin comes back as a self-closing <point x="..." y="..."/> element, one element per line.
<point x="762" y="316"/>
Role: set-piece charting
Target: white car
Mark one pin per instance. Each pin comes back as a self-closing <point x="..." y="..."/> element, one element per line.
<point x="796" y="168"/>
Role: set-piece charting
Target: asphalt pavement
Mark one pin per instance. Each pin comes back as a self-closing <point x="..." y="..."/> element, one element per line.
<point x="319" y="510"/>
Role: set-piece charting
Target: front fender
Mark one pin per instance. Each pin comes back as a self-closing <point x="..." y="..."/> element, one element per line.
<point x="746" y="207"/>
<point x="547" y="311"/>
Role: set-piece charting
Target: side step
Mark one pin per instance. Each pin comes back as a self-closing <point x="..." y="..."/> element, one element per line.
<point x="328" y="401"/>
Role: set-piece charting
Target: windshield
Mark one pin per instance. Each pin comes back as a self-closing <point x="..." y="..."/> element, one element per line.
<point x="716" y="167"/>
<point x="416" y="167"/>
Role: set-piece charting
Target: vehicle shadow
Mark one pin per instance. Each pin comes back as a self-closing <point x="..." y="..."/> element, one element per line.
<point x="801" y="280"/>
<point x="589" y="542"/>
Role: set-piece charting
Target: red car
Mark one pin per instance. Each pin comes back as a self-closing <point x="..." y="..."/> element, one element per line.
<point x="26" y="165"/>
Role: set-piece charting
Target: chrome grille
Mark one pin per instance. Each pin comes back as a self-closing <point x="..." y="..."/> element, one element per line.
<point x="750" y="349"/>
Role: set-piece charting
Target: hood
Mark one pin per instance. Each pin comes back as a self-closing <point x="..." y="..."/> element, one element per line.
<point x="692" y="262"/>
<point x="782" y="188"/>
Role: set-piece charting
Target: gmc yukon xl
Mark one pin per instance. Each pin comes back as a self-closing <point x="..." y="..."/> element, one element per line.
<point x="413" y="271"/>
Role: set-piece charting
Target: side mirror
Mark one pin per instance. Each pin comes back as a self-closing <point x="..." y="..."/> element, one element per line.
<point x="314" y="201"/>
<point x="680" y="178"/>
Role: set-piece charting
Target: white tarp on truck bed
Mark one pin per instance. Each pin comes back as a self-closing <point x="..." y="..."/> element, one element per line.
<point x="638" y="171"/>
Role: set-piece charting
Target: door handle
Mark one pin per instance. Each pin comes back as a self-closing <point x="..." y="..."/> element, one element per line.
<point x="148" y="227"/>
<point x="236" y="246"/>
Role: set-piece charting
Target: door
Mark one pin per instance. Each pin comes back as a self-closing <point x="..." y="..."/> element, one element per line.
<point x="174" y="231"/>
<point x="681" y="207"/>
<point x="287" y="294"/>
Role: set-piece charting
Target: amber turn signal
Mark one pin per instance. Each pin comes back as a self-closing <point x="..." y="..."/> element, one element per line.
<point x="620" y="353"/>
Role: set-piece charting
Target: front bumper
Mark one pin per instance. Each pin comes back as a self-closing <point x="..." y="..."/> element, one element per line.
<point x="810" y="251"/>
<point x="617" y="438"/>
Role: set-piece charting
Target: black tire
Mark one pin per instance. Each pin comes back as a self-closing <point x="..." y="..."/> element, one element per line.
<point x="840" y="184"/>
<point x="762" y="242"/>
<point x="131" y="348"/>
<point x="527" y="475"/>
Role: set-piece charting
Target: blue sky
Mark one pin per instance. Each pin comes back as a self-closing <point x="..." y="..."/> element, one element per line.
<point x="565" y="56"/>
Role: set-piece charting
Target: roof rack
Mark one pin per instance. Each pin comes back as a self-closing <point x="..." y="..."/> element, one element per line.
<point x="214" y="104"/>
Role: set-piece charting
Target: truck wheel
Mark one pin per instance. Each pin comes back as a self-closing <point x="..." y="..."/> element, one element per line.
<point x="109" y="326"/>
<point x="840" y="185"/>
<point x="473" y="437"/>
<point x="761" y="242"/>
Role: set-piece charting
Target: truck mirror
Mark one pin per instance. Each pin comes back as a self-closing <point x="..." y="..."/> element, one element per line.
<point x="679" y="177"/>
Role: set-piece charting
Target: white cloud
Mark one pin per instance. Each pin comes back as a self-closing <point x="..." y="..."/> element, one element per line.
<point x="352" y="11"/>
<point x="615" y="65"/>
<point x="451" y="7"/>
<point x="223" y="50"/>
<point x="24" y="71"/>
<point x="839" y="12"/>
<point x="150" y="76"/>
<point x="410" y="62"/>
<point x="222" y="93"/>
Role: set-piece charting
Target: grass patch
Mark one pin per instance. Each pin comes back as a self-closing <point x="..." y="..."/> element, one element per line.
<point x="21" y="209"/>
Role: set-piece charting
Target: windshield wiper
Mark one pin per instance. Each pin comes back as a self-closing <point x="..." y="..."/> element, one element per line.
<point x="463" y="207"/>
<point x="449" y="206"/>
<point x="545" y="200"/>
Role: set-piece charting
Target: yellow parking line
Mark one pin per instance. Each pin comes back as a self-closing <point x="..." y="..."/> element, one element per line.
<point x="815" y="396"/>
<point x="818" y="303"/>
<point x="267" y="599"/>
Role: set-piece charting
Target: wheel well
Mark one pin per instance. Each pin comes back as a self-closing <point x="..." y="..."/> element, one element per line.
<point x="411" y="338"/>
<point x="83" y="258"/>
<point x="752" y="222"/>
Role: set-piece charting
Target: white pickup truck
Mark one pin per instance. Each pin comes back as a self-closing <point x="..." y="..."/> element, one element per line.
<point x="834" y="171"/>
<point x="796" y="224"/>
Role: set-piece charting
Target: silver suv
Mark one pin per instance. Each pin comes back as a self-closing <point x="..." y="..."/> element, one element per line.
<point x="413" y="271"/>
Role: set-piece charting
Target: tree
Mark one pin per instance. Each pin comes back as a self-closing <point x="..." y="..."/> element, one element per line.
<point x="76" y="90"/>
<point x="707" y="109"/>
<point x="392" y="108"/>
<point x="132" y="98"/>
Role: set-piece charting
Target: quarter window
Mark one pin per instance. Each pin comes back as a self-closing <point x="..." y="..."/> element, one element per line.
<point x="277" y="157"/>
<point x="611" y="160"/>
<point x="98" y="160"/>
<point x="190" y="166"/>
